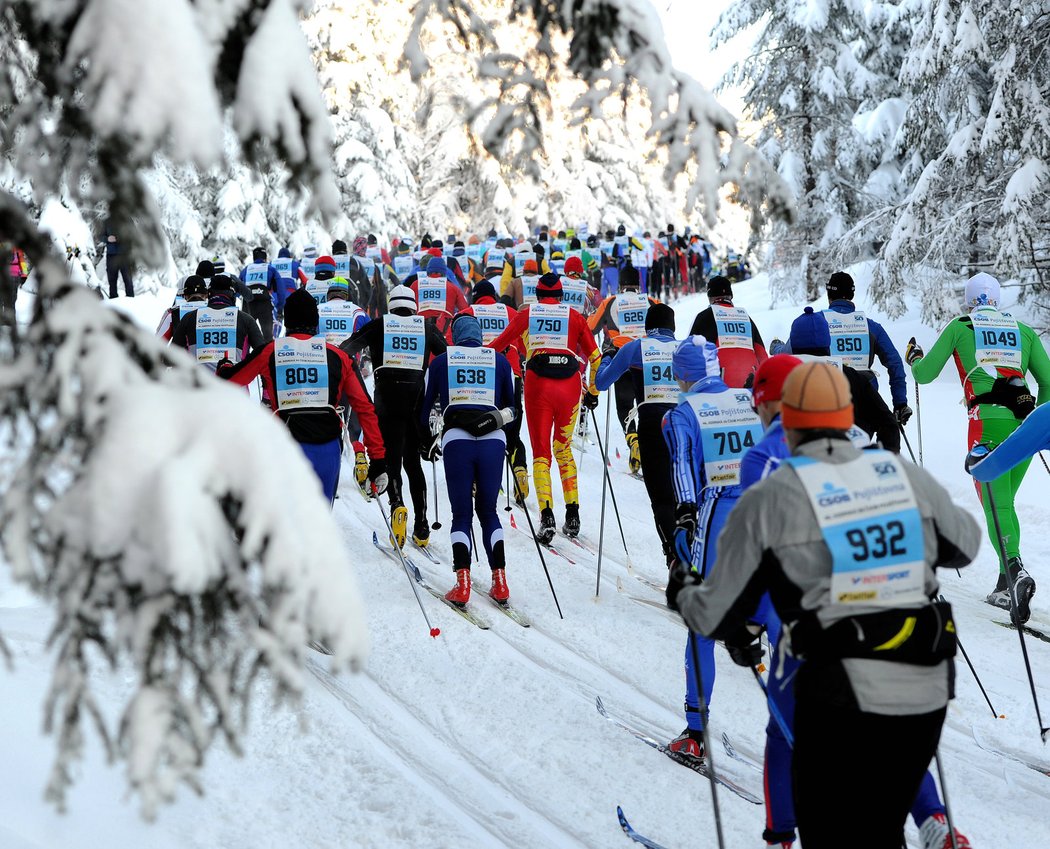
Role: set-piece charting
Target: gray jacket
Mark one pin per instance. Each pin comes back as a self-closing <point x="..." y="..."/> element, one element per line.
<point x="772" y="542"/>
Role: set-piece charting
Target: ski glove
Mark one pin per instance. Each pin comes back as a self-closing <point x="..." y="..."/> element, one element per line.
<point x="913" y="353"/>
<point x="679" y="577"/>
<point x="590" y="400"/>
<point x="684" y="531"/>
<point x="608" y="349"/>
<point x="223" y="367"/>
<point x="903" y="412"/>
<point x="431" y="450"/>
<point x="977" y="453"/>
<point x="749" y="655"/>
<point x="377" y="475"/>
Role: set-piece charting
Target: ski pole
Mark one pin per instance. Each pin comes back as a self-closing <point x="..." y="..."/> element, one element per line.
<point x="1045" y="466"/>
<point x="1013" y="611"/>
<point x="539" y="551"/>
<point x="601" y="524"/>
<point x="974" y="671"/>
<point x="507" y="508"/>
<point x="707" y="738"/>
<point x="434" y="632"/>
<point x="437" y="510"/>
<point x="474" y="545"/>
<point x="612" y="491"/>
<point x="944" y="795"/>
<point x="907" y="442"/>
<point x="918" y="420"/>
<point x="778" y="717"/>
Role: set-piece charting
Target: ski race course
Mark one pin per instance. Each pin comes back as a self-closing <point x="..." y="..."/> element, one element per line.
<point x="491" y="738"/>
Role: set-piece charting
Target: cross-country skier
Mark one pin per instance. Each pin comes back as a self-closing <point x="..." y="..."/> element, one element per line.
<point x="647" y="364"/>
<point x="400" y="345"/>
<point x="557" y="340"/>
<point x="810" y="337"/>
<point x="707" y="434"/>
<point x="219" y="330"/>
<point x="734" y="332"/>
<point x="287" y="268"/>
<point x="993" y="352"/>
<point x="194" y="295"/>
<point x="304" y="379"/>
<point x="439" y="297"/>
<point x="622" y="317"/>
<point x="474" y="388"/>
<point x="819" y="535"/>
<point x="494" y="318"/>
<point x="267" y="292"/>
<point x="760" y="462"/>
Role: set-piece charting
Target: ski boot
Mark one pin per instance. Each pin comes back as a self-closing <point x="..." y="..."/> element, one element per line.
<point x="1022" y="592"/>
<point x="548" y="526"/>
<point x="689" y="744"/>
<point x="360" y="466"/>
<point x="421" y="532"/>
<point x="1000" y="596"/>
<point x="460" y="593"/>
<point x="499" y="591"/>
<point x="634" y="462"/>
<point x="521" y="485"/>
<point x="399" y="525"/>
<point x="779" y="839"/>
<point x="571" y="528"/>
<point x="935" y="834"/>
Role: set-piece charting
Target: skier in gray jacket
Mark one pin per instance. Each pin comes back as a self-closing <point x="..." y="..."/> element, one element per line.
<point x="846" y="542"/>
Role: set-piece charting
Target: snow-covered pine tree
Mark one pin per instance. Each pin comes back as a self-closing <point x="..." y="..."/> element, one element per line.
<point x="976" y="141"/>
<point x="137" y="492"/>
<point x="803" y="83"/>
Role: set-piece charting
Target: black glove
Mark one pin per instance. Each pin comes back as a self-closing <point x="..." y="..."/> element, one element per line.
<point x="680" y="576"/>
<point x="684" y="531"/>
<point x="280" y="315"/>
<point x="590" y="400"/>
<point x="913" y="352"/>
<point x="746" y="655"/>
<point x="377" y="476"/>
<point x="224" y="366"/>
<point x="750" y="382"/>
<point x="431" y="450"/>
<point x="977" y="453"/>
<point x="903" y="412"/>
<point x="608" y="349"/>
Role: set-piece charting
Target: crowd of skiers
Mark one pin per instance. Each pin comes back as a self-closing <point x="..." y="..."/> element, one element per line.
<point x="777" y="489"/>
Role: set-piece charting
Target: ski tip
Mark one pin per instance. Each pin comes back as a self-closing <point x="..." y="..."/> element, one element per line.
<point x="619" y="584"/>
<point x="435" y="632"/>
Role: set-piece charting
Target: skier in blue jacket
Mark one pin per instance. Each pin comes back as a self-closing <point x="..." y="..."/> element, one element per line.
<point x="707" y="434"/>
<point x="649" y="361"/>
<point x="267" y="291"/>
<point x="474" y="387"/>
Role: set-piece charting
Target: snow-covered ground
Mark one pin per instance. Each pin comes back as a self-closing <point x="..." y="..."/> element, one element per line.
<point x="491" y="739"/>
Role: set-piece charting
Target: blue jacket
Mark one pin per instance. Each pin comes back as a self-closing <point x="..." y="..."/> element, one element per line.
<point x="682" y="434"/>
<point x="273" y="283"/>
<point x="1031" y="436"/>
<point x="765" y="458"/>
<point x="628" y="357"/>
<point x="883" y="347"/>
<point x="437" y="385"/>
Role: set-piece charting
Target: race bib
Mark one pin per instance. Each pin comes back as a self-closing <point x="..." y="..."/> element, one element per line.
<point x="850" y="340"/>
<point x="734" y="327"/>
<point x="493" y="319"/>
<point x="997" y="340"/>
<point x="519" y="263"/>
<point x="728" y="427"/>
<point x="342" y="265"/>
<point x="528" y="288"/>
<point x="403" y="265"/>
<point x="301" y="372"/>
<point x="255" y="276"/>
<point x="404" y="341"/>
<point x="306" y="266"/>
<point x="871" y="524"/>
<point x="606" y="247"/>
<point x="319" y="289"/>
<point x="474" y="252"/>
<point x="639" y="259"/>
<point x="657" y="374"/>
<point x="186" y="307"/>
<point x="217" y="335"/>
<point x="558" y="246"/>
<point x="366" y="264"/>
<point x="336" y="321"/>
<point x="472" y="376"/>
<point x="629" y="314"/>
<point x="374" y="253"/>
<point x="432" y="295"/>
<point x="283" y="266"/>
<point x="577" y="254"/>
<point x="621" y="243"/>
<point x="557" y="266"/>
<point x="548" y="327"/>
<point x="574" y="293"/>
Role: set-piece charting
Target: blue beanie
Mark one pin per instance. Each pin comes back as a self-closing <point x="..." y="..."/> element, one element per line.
<point x="466" y="328"/>
<point x="810" y="334"/>
<point x="436" y="267"/>
<point x="694" y="359"/>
